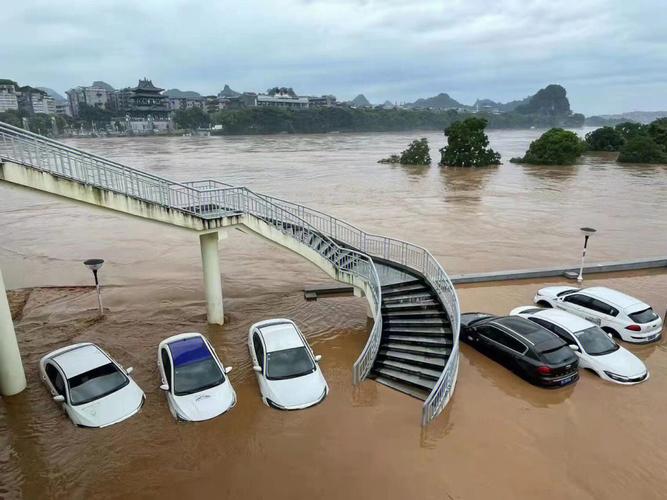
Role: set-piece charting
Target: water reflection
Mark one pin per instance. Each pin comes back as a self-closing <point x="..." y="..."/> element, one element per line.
<point x="465" y="185"/>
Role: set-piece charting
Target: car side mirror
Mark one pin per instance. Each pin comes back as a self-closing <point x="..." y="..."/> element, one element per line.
<point x="257" y="368"/>
<point x="574" y="347"/>
<point x="228" y="369"/>
<point x="317" y="358"/>
<point x="129" y="370"/>
<point x="59" y="398"/>
<point x="164" y="387"/>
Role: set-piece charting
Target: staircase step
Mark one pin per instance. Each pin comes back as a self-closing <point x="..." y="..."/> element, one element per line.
<point x="433" y="312"/>
<point x="412" y="298"/>
<point x="416" y="330"/>
<point x="426" y="340"/>
<point x="431" y="361"/>
<point x="420" y="350"/>
<point x="409" y="389"/>
<point x="416" y="322"/>
<point x="406" y="306"/>
<point x="402" y="290"/>
<point x="411" y="369"/>
<point x="401" y="284"/>
<point x="423" y="383"/>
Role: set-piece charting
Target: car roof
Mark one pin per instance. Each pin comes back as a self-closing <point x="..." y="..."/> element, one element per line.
<point x="81" y="360"/>
<point x="188" y="350"/>
<point x="614" y="297"/>
<point x="280" y="336"/>
<point x="565" y="320"/>
<point x="537" y="335"/>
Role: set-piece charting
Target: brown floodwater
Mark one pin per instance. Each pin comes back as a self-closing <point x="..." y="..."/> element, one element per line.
<point x="500" y="436"/>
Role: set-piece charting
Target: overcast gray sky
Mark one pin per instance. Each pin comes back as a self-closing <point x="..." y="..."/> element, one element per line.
<point x="611" y="55"/>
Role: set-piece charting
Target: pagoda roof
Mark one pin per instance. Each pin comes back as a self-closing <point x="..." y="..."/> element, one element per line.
<point x="147" y="84"/>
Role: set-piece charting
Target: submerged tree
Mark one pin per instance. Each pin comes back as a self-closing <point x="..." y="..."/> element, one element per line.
<point x="417" y="153"/>
<point x="467" y="145"/>
<point x="555" y="147"/>
<point x="604" y="139"/>
<point x="642" y="149"/>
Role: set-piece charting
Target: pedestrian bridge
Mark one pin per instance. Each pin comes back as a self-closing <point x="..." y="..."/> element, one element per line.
<point x="413" y="345"/>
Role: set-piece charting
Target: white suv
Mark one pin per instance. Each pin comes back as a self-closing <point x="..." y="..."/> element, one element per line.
<point x="617" y="313"/>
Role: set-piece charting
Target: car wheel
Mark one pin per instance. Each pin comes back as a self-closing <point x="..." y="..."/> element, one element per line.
<point x="613" y="332"/>
<point x="545" y="304"/>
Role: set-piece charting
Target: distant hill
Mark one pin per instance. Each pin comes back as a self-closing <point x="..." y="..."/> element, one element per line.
<point x="441" y="101"/>
<point x="488" y="104"/>
<point x="360" y="101"/>
<point x="56" y="96"/>
<point x="181" y="93"/>
<point x="102" y="85"/>
<point x="630" y="116"/>
<point x="550" y="101"/>
<point x="228" y="92"/>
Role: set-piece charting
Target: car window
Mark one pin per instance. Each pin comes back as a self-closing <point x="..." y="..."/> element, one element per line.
<point x="579" y="300"/>
<point x="259" y="349"/>
<point x="288" y="363"/>
<point x="166" y="364"/>
<point x="96" y="383"/>
<point x="602" y="307"/>
<point x="562" y="333"/>
<point x="645" y="316"/>
<point x="56" y="379"/>
<point x="559" y="355"/>
<point x="596" y="342"/>
<point x="502" y="338"/>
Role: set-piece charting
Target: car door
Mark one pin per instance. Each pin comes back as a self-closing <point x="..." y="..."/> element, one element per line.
<point x="259" y="359"/>
<point x="606" y="314"/>
<point x="581" y="305"/>
<point x="167" y="375"/>
<point x="496" y="344"/>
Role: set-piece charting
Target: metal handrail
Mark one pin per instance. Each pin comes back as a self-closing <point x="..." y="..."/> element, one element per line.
<point x="212" y="199"/>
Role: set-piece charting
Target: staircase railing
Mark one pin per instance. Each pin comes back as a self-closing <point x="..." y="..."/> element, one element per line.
<point x="211" y="199"/>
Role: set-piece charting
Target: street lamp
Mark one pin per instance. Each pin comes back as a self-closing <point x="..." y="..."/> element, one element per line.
<point x="588" y="232"/>
<point x="95" y="265"/>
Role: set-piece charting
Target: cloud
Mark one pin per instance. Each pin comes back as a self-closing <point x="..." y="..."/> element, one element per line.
<point x="396" y="50"/>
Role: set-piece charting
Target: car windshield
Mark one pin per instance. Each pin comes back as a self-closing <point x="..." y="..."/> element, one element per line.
<point x="288" y="363"/>
<point x="559" y="355"/>
<point x="595" y="341"/>
<point x="96" y="383"/>
<point x="644" y="316"/>
<point x="197" y="376"/>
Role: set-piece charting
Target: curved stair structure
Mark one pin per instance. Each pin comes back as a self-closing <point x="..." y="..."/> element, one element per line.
<point x="413" y="346"/>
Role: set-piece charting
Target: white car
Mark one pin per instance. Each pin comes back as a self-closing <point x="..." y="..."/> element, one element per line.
<point x="595" y="349"/>
<point x="93" y="389"/>
<point x="617" y="313"/>
<point x="193" y="378"/>
<point x="287" y="370"/>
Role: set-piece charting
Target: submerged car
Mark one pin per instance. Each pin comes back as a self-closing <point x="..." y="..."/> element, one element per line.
<point x="193" y="378"/>
<point x="623" y="316"/>
<point x="93" y="389"/>
<point x="287" y="371"/>
<point x="529" y="350"/>
<point x="595" y="349"/>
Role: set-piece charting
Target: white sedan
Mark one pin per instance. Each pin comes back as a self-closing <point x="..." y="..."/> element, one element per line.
<point x="617" y="313"/>
<point x="193" y="378"/>
<point x="595" y="349"/>
<point x="287" y="371"/>
<point x="92" y="388"/>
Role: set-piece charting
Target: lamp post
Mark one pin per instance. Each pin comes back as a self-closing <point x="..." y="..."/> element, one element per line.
<point x="95" y="265"/>
<point x="588" y="232"/>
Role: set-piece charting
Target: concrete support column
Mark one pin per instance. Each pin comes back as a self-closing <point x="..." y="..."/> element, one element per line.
<point x="212" y="283"/>
<point x="12" y="376"/>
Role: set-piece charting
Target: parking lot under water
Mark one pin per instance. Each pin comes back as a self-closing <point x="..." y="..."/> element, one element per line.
<point x="500" y="437"/>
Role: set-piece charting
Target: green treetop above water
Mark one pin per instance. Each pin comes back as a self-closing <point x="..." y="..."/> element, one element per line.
<point x="467" y="145"/>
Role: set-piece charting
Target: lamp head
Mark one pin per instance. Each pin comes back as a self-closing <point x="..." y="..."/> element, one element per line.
<point x="588" y="231"/>
<point x="93" y="264"/>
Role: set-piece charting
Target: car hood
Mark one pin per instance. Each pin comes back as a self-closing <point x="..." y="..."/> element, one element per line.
<point x="553" y="291"/>
<point x="206" y="404"/>
<point x="110" y="409"/>
<point x="622" y="362"/>
<point x="297" y="392"/>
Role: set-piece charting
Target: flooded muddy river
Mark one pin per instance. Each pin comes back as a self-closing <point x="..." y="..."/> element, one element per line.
<point x="500" y="437"/>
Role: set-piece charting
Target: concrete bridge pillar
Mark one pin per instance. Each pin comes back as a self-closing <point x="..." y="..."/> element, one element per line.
<point x="212" y="283"/>
<point x="12" y="376"/>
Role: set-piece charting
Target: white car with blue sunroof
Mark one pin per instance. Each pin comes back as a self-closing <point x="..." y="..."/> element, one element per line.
<point x="287" y="370"/>
<point x="193" y="378"/>
<point x="92" y="388"/>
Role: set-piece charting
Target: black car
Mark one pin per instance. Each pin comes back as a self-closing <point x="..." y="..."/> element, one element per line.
<point x="531" y="351"/>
